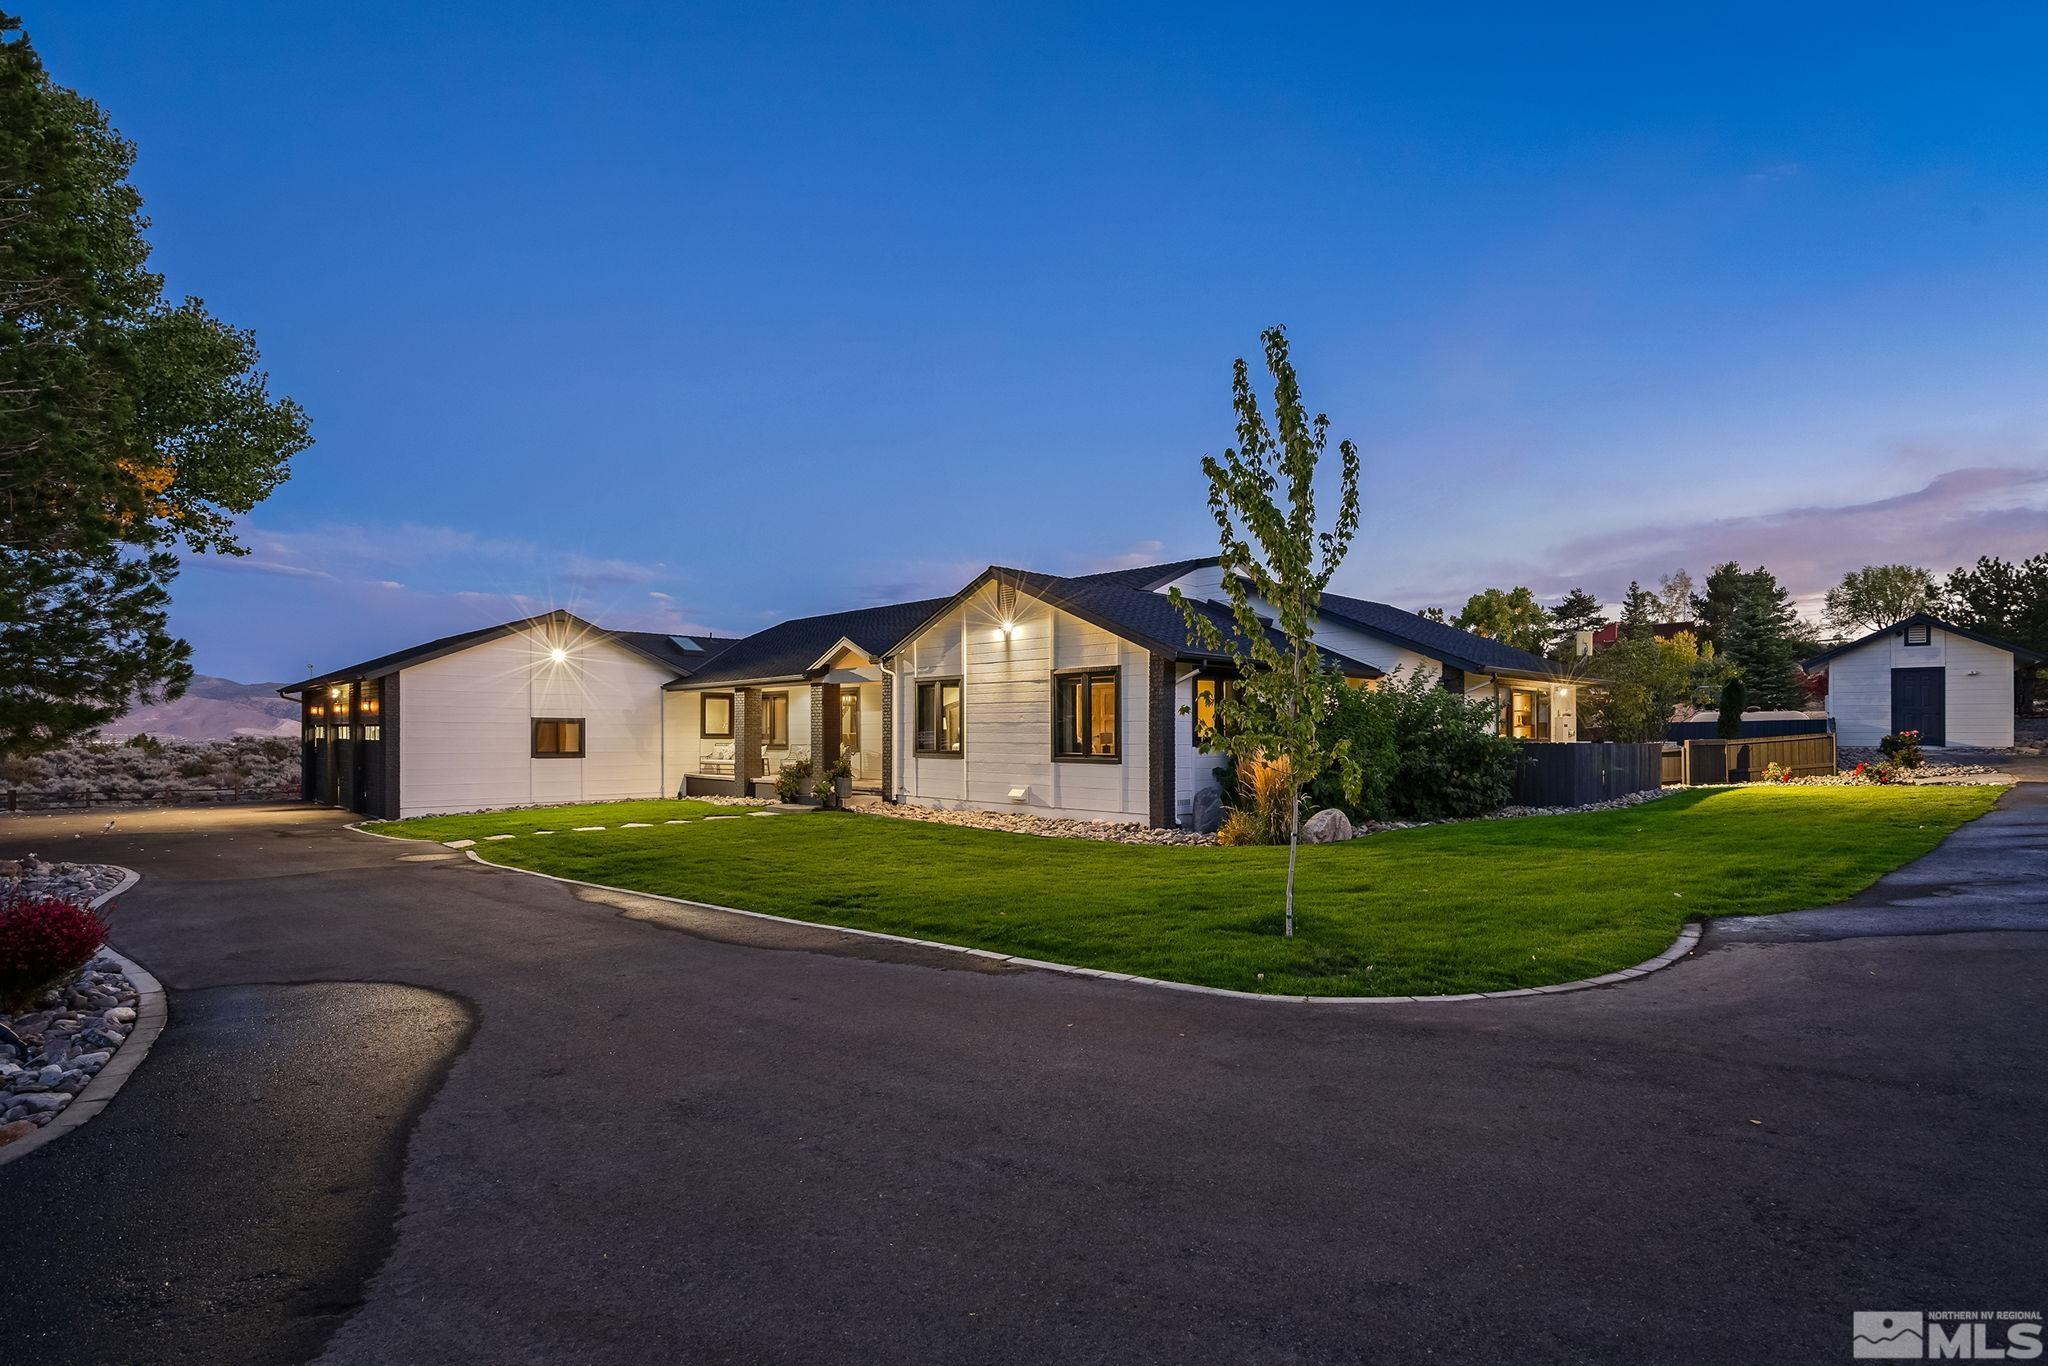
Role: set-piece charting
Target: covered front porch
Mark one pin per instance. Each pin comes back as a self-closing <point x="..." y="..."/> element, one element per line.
<point x="734" y="740"/>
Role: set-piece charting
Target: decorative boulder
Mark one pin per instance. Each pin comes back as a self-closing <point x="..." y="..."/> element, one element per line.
<point x="1207" y="815"/>
<point x="1326" y="826"/>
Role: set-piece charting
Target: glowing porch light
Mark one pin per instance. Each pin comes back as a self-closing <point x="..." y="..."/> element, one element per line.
<point x="558" y="655"/>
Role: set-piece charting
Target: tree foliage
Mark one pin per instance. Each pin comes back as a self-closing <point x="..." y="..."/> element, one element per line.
<point x="1638" y="613"/>
<point x="1576" y="611"/>
<point x="129" y="423"/>
<point x="1511" y="616"/>
<point x="1877" y="595"/>
<point x="1763" y="641"/>
<point x="1423" y="753"/>
<point x="1674" y="595"/>
<point x="1713" y="607"/>
<point x="1640" y="682"/>
<point x="1276" y="561"/>
<point x="2007" y="600"/>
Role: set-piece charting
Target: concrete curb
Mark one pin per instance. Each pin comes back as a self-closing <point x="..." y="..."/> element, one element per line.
<point x="1688" y="939"/>
<point x="151" y="1012"/>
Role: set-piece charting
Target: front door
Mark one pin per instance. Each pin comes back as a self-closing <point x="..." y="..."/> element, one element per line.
<point x="849" y="727"/>
<point x="1920" y="702"/>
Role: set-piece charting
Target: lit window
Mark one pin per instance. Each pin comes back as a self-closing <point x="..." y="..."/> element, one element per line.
<point x="1084" y="715"/>
<point x="341" y="731"/>
<point x="1211" y="692"/>
<point x="775" y="718"/>
<point x="1529" y="713"/>
<point x="717" y="716"/>
<point x="558" y="737"/>
<point x="938" y="716"/>
<point x="373" y="731"/>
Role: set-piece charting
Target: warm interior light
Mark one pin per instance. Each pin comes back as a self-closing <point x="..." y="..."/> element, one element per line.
<point x="559" y="655"/>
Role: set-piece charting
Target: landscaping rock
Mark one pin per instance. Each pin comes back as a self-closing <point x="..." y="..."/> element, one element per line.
<point x="43" y="1102"/>
<point x="1207" y="816"/>
<point x="1326" y="827"/>
<point x="20" y="1128"/>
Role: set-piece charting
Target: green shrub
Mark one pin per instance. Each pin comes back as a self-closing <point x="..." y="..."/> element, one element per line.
<point x="793" y="780"/>
<point x="1734" y="700"/>
<point x="1903" y="749"/>
<point x="1423" y="753"/>
<point x="148" y="744"/>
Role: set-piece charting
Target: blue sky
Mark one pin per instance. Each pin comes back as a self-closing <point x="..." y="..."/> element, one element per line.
<point x="696" y="318"/>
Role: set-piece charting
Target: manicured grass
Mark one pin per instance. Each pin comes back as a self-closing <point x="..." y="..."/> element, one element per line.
<point x="560" y="819"/>
<point x="1481" y="906"/>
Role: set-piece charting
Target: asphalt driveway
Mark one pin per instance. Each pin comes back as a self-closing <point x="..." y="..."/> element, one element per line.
<point x="601" y="1130"/>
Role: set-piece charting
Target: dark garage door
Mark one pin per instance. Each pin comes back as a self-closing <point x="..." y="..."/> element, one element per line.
<point x="1920" y="702"/>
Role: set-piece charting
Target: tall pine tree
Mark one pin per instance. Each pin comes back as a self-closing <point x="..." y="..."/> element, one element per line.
<point x="1762" y="641"/>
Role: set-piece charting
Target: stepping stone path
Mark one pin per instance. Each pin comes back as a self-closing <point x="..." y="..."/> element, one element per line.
<point x="680" y="822"/>
<point x="637" y="825"/>
<point x="458" y="844"/>
<point x="497" y="837"/>
<point x="586" y="829"/>
<point x="764" y="813"/>
<point x="721" y="818"/>
<point x="543" y="832"/>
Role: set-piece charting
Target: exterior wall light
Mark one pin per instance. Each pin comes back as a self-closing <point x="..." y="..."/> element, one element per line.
<point x="558" y="655"/>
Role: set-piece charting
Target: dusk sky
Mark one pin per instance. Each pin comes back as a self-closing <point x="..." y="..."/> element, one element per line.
<point x="697" y="318"/>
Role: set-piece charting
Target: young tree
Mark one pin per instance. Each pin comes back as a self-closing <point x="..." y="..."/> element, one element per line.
<point x="1637" y="685"/>
<point x="1873" y="597"/>
<point x="2006" y="600"/>
<point x="128" y="420"/>
<point x="1734" y="702"/>
<point x="1577" y="611"/>
<point x="1638" y="613"/>
<point x="1674" y="595"/>
<point x="1277" y="562"/>
<point x="1511" y="616"/>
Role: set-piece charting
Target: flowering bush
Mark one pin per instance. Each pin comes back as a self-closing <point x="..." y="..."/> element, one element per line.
<point x="1775" y="772"/>
<point x="1903" y="748"/>
<point x="44" y="941"/>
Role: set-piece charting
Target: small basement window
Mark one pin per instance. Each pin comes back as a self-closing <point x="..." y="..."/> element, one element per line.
<point x="1922" y="634"/>
<point x="717" y="719"/>
<point x="558" y="737"/>
<point x="1085" y="715"/>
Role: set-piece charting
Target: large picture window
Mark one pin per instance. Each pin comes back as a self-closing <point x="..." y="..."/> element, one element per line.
<point x="1529" y="713"/>
<point x="775" y="719"/>
<point x="558" y="737"/>
<point x="938" y="716"/>
<point x="1085" y="715"/>
<point x="717" y="716"/>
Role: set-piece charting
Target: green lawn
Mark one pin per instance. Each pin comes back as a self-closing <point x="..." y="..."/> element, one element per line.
<point x="560" y="819"/>
<point x="1481" y="906"/>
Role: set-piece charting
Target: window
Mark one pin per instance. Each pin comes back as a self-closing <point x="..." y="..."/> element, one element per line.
<point x="775" y="718"/>
<point x="372" y="731"/>
<point x="1922" y="634"/>
<point x="341" y="731"/>
<point x="1211" y="691"/>
<point x="717" y="716"/>
<point x="938" y="716"/>
<point x="1529" y="713"/>
<point x="1084" y="715"/>
<point x="558" y="737"/>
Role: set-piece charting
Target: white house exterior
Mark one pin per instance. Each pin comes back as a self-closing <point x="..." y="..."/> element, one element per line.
<point x="1077" y="697"/>
<point x="1952" y="685"/>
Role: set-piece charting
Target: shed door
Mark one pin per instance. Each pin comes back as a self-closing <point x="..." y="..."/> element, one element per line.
<point x="1920" y="702"/>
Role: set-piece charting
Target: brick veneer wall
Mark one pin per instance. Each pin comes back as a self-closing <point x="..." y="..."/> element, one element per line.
<point x="1159" y="747"/>
<point x="888" y="732"/>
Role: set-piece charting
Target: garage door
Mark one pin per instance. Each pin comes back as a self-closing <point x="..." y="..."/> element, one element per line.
<point x="1920" y="702"/>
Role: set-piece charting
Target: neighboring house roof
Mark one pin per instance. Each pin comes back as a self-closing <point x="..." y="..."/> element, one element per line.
<point x="1139" y="615"/>
<point x="1925" y="619"/>
<point x="789" y="650"/>
<point x="680" y="653"/>
<point x="1441" y="641"/>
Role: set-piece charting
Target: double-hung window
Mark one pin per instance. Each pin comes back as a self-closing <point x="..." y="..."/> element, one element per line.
<point x="775" y="719"/>
<point x="939" y="728"/>
<point x="1085" y="715"/>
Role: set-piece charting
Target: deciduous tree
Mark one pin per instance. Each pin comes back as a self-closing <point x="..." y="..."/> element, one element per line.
<point x="1511" y="616"/>
<point x="1873" y="597"/>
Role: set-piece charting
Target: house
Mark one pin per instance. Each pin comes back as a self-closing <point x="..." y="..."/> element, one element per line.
<point x="1608" y="636"/>
<point x="546" y="709"/>
<point x="1082" y="696"/>
<point x="1954" y="686"/>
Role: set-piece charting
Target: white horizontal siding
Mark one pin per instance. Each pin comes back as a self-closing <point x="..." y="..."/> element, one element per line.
<point x="465" y="725"/>
<point x="1977" y="688"/>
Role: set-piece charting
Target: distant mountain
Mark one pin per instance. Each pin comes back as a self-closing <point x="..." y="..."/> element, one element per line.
<point x="213" y="709"/>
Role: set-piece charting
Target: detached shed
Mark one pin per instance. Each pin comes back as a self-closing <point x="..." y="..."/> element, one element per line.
<point x="1952" y="685"/>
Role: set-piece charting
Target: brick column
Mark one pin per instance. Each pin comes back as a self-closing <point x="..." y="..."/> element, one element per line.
<point x="746" y="738"/>
<point x="1159" y="738"/>
<point x="888" y="733"/>
<point x="824" y="726"/>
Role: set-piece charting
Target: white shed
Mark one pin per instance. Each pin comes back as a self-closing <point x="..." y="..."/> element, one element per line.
<point x="1952" y="685"/>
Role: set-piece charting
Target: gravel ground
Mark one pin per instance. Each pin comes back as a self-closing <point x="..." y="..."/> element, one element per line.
<point x="73" y="1030"/>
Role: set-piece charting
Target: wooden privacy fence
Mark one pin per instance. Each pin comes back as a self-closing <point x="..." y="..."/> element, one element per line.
<point x="1745" y="761"/>
<point x="1575" y="774"/>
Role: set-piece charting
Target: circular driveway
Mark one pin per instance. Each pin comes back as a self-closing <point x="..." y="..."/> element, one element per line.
<point x="604" y="1129"/>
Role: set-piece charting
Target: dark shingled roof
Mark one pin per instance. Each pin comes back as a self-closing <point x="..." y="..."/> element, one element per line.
<point x="662" y="649"/>
<point x="1151" y="576"/>
<point x="1139" y="615"/>
<point x="2019" y="652"/>
<point x="1461" y="649"/>
<point x="787" y="649"/>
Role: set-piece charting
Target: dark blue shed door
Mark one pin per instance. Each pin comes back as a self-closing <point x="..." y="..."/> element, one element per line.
<point x="1920" y="702"/>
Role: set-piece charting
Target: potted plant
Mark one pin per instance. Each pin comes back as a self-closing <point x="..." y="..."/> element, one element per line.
<point x="793" y="782"/>
<point x="842" y="778"/>
<point x="826" y="789"/>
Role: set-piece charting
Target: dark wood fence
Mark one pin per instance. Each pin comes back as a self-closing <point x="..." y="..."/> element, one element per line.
<point x="1744" y="761"/>
<point x="1588" y="771"/>
<point x="1751" y="730"/>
